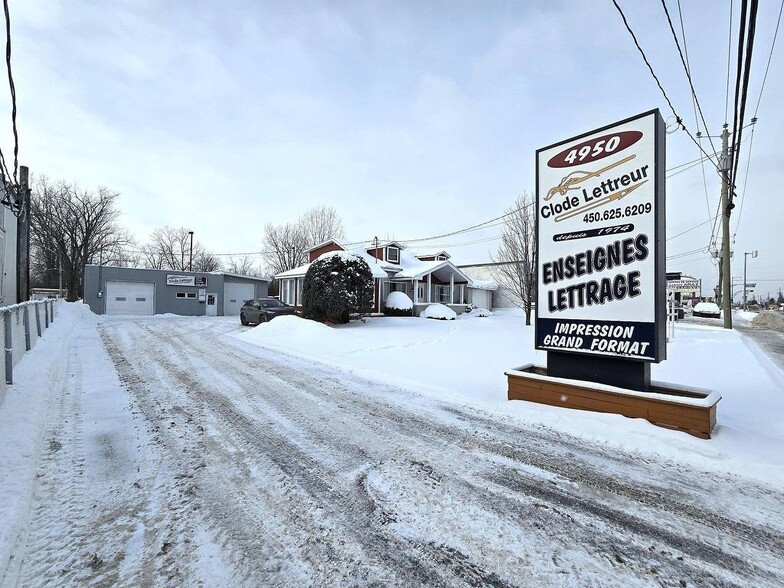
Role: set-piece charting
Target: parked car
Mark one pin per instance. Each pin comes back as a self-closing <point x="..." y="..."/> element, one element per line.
<point x="706" y="309"/>
<point x="261" y="310"/>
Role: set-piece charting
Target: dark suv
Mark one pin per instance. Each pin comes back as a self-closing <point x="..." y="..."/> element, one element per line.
<point x="261" y="310"/>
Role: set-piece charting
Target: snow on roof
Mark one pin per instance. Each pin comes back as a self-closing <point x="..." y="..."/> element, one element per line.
<point x="482" y="284"/>
<point x="415" y="269"/>
<point x="381" y="244"/>
<point x="327" y="242"/>
<point x="436" y="254"/>
<point x="296" y="272"/>
<point x="377" y="269"/>
<point x="409" y="268"/>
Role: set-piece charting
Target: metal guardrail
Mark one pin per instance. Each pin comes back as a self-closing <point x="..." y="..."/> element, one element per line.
<point x="24" y="323"/>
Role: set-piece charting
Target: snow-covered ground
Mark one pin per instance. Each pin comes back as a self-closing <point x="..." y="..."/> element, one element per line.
<point x="465" y="360"/>
<point x="190" y="450"/>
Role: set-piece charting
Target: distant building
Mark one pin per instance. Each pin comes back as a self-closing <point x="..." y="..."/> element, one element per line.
<point x="135" y="291"/>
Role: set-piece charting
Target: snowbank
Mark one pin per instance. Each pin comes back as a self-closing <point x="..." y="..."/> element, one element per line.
<point x="439" y="311"/>
<point x="769" y="319"/>
<point x="476" y="312"/>
<point x="398" y="301"/>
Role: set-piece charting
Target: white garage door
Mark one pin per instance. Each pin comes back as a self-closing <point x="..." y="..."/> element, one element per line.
<point x="482" y="298"/>
<point x="234" y="294"/>
<point x="130" y="298"/>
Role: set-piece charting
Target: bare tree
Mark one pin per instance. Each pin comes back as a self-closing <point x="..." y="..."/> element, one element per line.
<point x="170" y="248"/>
<point x="70" y="228"/>
<point x="206" y="262"/>
<point x="320" y="224"/>
<point x="516" y="256"/>
<point x="243" y="266"/>
<point x="285" y="246"/>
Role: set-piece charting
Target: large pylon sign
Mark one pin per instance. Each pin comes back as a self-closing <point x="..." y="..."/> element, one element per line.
<point x="600" y="242"/>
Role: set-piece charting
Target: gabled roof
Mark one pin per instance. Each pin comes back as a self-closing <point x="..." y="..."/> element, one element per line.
<point x="327" y="242"/>
<point x="409" y="267"/>
<point x="444" y="253"/>
<point x="419" y="270"/>
<point x="382" y="244"/>
<point x="377" y="269"/>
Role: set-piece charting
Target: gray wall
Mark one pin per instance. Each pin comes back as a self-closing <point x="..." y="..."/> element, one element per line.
<point x="502" y="297"/>
<point x="165" y="296"/>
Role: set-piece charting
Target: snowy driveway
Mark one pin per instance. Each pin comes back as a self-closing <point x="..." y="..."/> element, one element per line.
<point x="205" y="461"/>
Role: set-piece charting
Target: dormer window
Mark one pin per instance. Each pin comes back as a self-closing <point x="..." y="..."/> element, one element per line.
<point x="393" y="254"/>
<point x="440" y="257"/>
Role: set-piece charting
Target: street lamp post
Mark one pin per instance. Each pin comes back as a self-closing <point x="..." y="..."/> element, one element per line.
<point x="190" y="260"/>
<point x="745" y="257"/>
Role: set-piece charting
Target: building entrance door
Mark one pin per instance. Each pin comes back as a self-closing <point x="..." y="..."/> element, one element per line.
<point x="212" y="304"/>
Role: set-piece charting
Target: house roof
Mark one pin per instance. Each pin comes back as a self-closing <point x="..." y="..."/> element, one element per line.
<point x="379" y="269"/>
<point x="409" y="268"/>
<point x="421" y="255"/>
<point x="483" y="284"/>
<point x="381" y="244"/>
<point x="327" y="242"/>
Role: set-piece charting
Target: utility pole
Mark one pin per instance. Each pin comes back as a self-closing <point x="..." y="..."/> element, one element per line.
<point x="190" y="259"/>
<point x="726" y="165"/>
<point x="23" y="238"/>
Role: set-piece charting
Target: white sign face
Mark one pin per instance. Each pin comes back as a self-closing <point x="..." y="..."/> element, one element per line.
<point x="683" y="285"/>
<point x="173" y="280"/>
<point x="600" y="219"/>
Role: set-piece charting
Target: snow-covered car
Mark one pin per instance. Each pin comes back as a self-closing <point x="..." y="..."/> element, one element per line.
<point x="261" y="310"/>
<point x="707" y="310"/>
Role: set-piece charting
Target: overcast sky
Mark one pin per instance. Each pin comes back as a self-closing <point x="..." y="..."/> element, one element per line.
<point x="411" y="119"/>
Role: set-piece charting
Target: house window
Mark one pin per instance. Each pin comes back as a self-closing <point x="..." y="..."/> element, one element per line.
<point x="180" y="295"/>
<point x="443" y="294"/>
<point x="287" y="291"/>
<point x="193" y="295"/>
<point x="440" y="257"/>
<point x="393" y="254"/>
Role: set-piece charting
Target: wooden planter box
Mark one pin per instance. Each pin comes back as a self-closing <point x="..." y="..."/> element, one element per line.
<point x="685" y="409"/>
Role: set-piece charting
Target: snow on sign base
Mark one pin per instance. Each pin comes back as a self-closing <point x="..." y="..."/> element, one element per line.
<point x="600" y="237"/>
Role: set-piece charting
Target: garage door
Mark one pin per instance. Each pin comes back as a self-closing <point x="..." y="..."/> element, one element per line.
<point x="130" y="298"/>
<point x="234" y="294"/>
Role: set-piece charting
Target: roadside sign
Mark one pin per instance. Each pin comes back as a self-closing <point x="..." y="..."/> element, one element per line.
<point x="600" y="238"/>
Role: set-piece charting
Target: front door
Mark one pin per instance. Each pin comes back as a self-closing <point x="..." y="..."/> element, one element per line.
<point x="212" y="304"/>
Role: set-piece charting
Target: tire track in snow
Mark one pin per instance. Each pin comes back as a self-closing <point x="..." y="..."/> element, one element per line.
<point x="279" y="411"/>
<point x="321" y="493"/>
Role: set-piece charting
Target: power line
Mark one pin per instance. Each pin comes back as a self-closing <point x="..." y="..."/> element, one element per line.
<point x="729" y="61"/>
<point x="685" y="62"/>
<point x="12" y="88"/>
<point x="745" y="182"/>
<point x="741" y="89"/>
<point x="694" y="227"/>
<point x="687" y="253"/>
<point x="770" y="56"/>
<point x="658" y="83"/>
<point x="695" y="104"/>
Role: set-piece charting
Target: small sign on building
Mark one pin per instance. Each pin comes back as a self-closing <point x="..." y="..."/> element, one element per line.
<point x="180" y="280"/>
